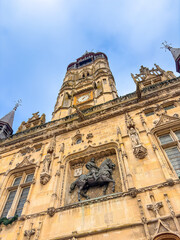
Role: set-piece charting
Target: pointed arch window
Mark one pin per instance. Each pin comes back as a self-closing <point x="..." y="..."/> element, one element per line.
<point x="17" y="193"/>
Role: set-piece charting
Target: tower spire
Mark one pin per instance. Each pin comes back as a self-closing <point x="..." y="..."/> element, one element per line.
<point x="6" y="122"/>
<point x="175" y="52"/>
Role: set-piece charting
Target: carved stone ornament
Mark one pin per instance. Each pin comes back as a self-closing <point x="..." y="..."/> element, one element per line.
<point x="140" y="152"/>
<point x="25" y="162"/>
<point x="77" y="172"/>
<point x="164" y="119"/>
<point x="29" y="233"/>
<point x="44" y="178"/>
<point x="34" y="121"/>
<point x="52" y="145"/>
<point x="155" y="207"/>
<point x="133" y="192"/>
<point x="77" y="136"/>
<point x="51" y="211"/>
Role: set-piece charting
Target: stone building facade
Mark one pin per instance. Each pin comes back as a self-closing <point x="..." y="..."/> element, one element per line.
<point x="105" y="167"/>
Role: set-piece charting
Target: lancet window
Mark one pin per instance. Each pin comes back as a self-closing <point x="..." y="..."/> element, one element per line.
<point x="17" y="193"/>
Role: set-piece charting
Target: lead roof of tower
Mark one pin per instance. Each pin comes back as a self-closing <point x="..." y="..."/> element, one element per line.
<point x="86" y="59"/>
<point x="9" y="118"/>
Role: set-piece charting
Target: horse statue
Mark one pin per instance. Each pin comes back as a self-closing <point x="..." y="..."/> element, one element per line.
<point x="102" y="177"/>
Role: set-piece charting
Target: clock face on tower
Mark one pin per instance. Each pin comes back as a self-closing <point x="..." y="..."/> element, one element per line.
<point x="83" y="98"/>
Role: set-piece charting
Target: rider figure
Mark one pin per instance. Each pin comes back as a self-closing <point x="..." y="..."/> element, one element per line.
<point x="93" y="169"/>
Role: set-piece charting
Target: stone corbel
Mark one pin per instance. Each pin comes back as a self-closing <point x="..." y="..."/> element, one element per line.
<point x="44" y="178"/>
<point x="140" y="151"/>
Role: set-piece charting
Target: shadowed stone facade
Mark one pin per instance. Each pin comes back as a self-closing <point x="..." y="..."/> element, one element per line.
<point x="138" y="132"/>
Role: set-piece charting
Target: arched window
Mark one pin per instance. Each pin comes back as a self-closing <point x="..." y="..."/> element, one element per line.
<point x="167" y="236"/>
<point x="87" y="73"/>
<point x="83" y="75"/>
<point x="18" y="193"/>
<point x="78" y="141"/>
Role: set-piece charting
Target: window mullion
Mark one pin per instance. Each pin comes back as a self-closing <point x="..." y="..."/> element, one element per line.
<point x="173" y="135"/>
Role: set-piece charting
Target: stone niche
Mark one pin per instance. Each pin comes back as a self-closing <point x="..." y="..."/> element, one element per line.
<point x="77" y="166"/>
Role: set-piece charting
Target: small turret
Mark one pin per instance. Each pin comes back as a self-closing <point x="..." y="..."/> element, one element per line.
<point x="6" y="123"/>
<point x="176" y="54"/>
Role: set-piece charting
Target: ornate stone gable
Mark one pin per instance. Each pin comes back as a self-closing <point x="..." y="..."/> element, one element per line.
<point x="165" y="121"/>
<point x="25" y="162"/>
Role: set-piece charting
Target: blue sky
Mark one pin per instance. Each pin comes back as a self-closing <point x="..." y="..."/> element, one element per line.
<point x="39" y="38"/>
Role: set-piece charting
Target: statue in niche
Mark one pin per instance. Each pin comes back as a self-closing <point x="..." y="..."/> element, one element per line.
<point x="101" y="176"/>
<point x="93" y="169"/>
<point x="134" y="137"/>
<point x="138" y="149"/>
<point x="46" y="163"/>
<point x="45" y="174"/>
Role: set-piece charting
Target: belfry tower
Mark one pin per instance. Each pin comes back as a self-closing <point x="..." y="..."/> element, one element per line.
<point x="87" y="82"/>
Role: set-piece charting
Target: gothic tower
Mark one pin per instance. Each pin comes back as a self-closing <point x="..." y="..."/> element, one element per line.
<point x="88" y="82"/>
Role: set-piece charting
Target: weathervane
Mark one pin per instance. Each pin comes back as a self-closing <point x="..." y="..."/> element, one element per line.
<point x="166" y="45"/>
<point x="175" y="52"/>
<point x="18" y="103"/>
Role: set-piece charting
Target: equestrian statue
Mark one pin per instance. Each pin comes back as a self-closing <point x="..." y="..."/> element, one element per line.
<point x="97" y="176"/>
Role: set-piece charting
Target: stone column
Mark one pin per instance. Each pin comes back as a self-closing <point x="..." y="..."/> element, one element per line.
<point x="55" y="196"/>
<point x="124" y="158"/>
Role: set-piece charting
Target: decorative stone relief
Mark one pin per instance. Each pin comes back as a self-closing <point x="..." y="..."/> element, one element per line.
<point x="155" y="207"/>
<point x="161" y="225"/>
<point x="78" y="170"/>
<point x="34" y="121"/>
<point x="89" y="137"/>
<point x="51" y="211"/>
<point x="25" y="162"/>
<point x="138" y="149"/>
<point x="77" y="138"/>
<point x="29" y="233"/>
